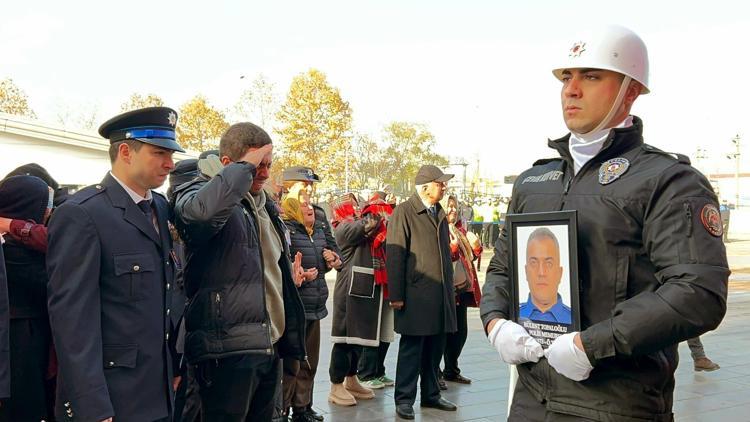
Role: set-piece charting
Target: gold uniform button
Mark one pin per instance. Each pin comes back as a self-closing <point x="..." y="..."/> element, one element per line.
<point x="111" y="364"/>
<point x="98" y="186"/>
<point x="136" y="267"/>
<point x="166" y="336"/>
<point x="168" y="285"/>
<point x="167" y="312"/>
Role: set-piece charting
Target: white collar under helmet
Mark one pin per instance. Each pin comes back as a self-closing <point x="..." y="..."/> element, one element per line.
<point x="613" y="48"/>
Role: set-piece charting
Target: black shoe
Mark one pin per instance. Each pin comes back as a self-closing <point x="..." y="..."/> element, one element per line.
<point x="459" y="379"/>
<point x="303" y="417"/>
<point x="313" y="414"/>
<point x="405" y="411"/>
<point x="441" y="404"/>
<point x="441" y="383"/>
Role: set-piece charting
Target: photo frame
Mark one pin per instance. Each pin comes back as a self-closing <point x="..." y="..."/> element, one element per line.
<point x="543" y="260"/>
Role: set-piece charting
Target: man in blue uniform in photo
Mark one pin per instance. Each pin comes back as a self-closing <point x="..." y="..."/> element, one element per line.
<point x="543" y="273"/>
<point x="111" y="273"/>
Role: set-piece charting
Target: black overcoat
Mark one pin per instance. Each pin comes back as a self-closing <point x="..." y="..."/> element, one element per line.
<point x="420" y="271"/>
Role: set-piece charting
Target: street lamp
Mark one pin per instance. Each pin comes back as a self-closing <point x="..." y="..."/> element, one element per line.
<point x="736" y="156"/>
<point x="462" y="163"/>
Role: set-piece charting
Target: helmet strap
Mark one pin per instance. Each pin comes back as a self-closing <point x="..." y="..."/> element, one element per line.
<point x="605" y="123"/>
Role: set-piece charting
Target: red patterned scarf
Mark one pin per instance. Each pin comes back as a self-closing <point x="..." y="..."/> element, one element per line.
<point x="377" y="247"/>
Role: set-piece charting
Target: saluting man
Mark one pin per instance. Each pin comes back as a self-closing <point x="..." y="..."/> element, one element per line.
<point x="111" y="268"/>
<point x="652" y="265"/>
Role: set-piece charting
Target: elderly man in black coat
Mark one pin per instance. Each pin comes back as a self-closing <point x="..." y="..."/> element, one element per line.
<point x="420" y="275"/>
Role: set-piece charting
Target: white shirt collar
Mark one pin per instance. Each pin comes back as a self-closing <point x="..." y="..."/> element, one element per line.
<point x="133" y="194"/>
<point x="584" y="148"/>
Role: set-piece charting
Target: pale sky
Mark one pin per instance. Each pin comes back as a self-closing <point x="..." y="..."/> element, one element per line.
<point x="478" y="73"/>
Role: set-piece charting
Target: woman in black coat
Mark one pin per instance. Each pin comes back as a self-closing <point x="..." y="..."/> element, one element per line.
<point x="306" y="235"/>
<point x="27" y="198"/>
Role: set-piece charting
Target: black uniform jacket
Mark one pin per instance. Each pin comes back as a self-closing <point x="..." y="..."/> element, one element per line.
<point x="109" y="276"/>
<point x="420" y="270"/>
<point x="651" y="272"/>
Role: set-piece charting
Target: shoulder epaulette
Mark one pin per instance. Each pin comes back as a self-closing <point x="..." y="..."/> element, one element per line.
<point x="681" y="158"/>
<point x="544" y="161"/>
<point x="86" y="193"/>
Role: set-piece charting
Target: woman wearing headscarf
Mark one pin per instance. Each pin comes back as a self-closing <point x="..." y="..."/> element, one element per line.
<point x="361" y="315"/>
<point x="27" y="198"/>
<point x="464" y="251"/>
<point x="371" y="367"/>
<point x="307" y="236"/>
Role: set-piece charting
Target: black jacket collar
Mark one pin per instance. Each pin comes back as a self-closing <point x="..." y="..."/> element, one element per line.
<point x="619" y="141"/>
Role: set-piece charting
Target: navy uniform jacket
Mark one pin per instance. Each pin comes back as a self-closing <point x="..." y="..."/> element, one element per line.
<point x="4" y="327"/>
<point x="109" y="279"/>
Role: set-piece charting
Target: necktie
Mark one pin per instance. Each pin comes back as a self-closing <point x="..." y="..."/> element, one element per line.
<point x="433" y="211"/>
<point x="145" y="206"/>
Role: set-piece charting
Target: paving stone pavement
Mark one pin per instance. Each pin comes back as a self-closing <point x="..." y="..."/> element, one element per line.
<point x="723" y="395"/>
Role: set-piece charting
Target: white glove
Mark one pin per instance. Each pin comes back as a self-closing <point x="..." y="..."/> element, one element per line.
<point x="567" y="359"/>
<point x="514" y="344"/>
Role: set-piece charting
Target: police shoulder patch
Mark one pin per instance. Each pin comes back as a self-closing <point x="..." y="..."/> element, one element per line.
<point x="611" y="170"/>
<point x="711" y="220"/>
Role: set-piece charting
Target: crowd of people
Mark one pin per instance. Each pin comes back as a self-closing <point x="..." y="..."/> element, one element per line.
<point x="205" y="304"/>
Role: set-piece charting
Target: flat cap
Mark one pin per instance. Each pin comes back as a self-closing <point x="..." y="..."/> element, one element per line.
<point x="429" y="173"/>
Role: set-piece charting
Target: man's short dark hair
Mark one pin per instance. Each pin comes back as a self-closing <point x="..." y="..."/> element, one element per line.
<point x="115" y="146"/>
<point x="241" y="136"/>
<point x="541" y="233"/>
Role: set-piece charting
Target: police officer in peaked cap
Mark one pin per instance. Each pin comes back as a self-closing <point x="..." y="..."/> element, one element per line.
<point x="111" y="270"/>
<point x="652" y="266"/>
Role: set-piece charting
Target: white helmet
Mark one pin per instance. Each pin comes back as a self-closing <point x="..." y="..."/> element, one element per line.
<point x="614" y="48"/>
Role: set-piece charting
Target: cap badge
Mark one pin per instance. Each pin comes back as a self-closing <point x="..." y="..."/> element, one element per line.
<point x="309" y="172"/>
<point x="172" y="119"/>
<point x="577" y="49"/>
<point x="611" y="170"/>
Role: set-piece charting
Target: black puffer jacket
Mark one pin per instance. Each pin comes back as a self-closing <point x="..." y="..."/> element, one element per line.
<point x="226" y="313"/>
<point x="652" y="273"/>
<point x="313" y="293"/>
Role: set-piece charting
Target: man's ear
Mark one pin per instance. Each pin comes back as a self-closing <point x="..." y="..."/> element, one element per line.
<point x="633" y="91"/>
<point x="124" y="152"/>
<point x="225" y="160"/>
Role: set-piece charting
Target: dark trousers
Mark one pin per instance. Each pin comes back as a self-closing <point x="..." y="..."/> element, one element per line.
<point x="454" y="343"/>
<point x="418" y="357"/>
<point x="344" y="358"/>
<point x="525" y="408"/>
<point x="187" y="402"/>
<point x="29" y="359"/>
<point x="299" y="377"/>
<point x="237" y="389"/>
<point x="372" y="361"/>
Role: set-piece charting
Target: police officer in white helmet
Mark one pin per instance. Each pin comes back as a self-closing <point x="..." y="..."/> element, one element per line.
<point x="652" y="265"/>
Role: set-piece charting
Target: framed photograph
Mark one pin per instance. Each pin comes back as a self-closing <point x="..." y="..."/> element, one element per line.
<point x="544" y="270"/>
